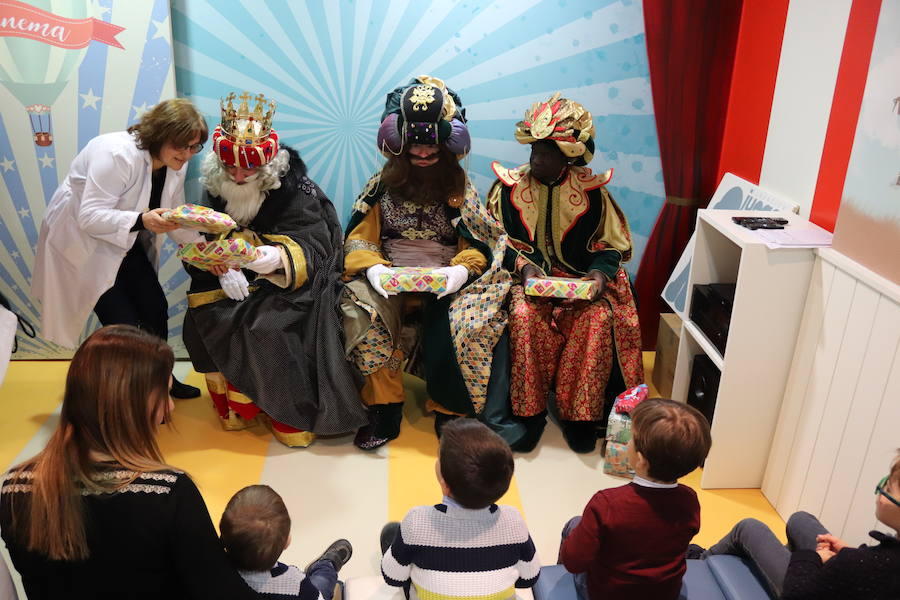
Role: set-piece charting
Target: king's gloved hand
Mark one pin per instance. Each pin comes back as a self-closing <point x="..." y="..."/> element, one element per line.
<point x="235" y="285"/>
<point x="268" y="260"/>
<point x="456" y="277"/>
<point x="374" y="273"/>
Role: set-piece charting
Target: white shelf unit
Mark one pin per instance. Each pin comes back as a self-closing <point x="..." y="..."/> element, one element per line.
<point x="771" y="287"/>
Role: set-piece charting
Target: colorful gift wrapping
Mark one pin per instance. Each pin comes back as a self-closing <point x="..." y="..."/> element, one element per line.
<point x="616" y="460"/>
<point x="630" y="398"/>
<point x="203" y="218"/>
<point x="618" y="428"/>
<point x="233" y="253"/>
<point x="414" y="279"/>
<point x="561" y="287"/>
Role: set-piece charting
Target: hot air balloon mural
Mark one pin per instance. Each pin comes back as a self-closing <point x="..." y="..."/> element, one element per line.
<point x="41" y="126"/>
<point x="41" y="45"/>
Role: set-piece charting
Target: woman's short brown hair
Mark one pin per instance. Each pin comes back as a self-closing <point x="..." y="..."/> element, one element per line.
<point x="255" y="528"/>
<point x="673" y="437"/>
<point x="476" y="464"/>
<point x="175" y="120"/>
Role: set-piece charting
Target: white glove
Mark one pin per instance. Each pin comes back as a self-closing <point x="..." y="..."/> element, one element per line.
<point x="234" y="284"/>
<point x="269" y="260"/>
<point x="457" y="275"/>
<point x="374" y="273"/>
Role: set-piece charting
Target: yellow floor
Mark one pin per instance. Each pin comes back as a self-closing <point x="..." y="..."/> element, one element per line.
<point x="356" y="492"/>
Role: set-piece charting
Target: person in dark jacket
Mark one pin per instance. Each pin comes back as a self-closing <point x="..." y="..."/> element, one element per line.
<point x="269" y="336"/>
<point x="817" y="564"/>
<point x="98" y="513"/>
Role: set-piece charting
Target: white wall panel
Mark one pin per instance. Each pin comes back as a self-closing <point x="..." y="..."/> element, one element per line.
<point x="837" y="310"/>
<point x="839" y="398"/>
<point x="801" y="367"/>
<point x="838" y="424"/>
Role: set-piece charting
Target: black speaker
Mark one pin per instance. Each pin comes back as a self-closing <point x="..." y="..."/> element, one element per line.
<point x="711" y="311"/>
<point x="704" y="386"/>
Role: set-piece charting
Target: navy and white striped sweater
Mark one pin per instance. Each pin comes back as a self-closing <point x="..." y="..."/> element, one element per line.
<point x="447" y="551"/>
<point x="283" y="582"/>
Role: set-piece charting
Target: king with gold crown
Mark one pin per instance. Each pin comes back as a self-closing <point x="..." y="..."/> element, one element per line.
<point x="268" y="336"/>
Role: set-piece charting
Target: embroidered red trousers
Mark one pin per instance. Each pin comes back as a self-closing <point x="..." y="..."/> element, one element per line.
<point x="571" y="347"/>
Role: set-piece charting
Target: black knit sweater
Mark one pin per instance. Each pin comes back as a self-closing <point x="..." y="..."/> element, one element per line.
<point x="152" y="539"/>
<point x="864" y="573"/>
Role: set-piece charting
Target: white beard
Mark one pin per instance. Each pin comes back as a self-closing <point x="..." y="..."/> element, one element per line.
<point x="242" y="202"/>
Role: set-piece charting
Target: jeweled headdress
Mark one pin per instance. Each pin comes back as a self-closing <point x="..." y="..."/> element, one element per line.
<point x="563" y="121"/>
<point x="425" y="111"/>
<point x="245" y="137"/>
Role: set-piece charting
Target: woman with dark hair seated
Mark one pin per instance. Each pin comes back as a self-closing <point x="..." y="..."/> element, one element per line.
<point x="98" y="513"/>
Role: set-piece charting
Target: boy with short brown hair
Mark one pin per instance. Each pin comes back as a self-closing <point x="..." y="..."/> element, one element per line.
<point x="467" y="546"/>
<point x="256" y="529"/>
<point x="631" y="540"/>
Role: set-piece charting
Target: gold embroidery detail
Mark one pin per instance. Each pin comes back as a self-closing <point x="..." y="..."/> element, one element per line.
<point x="419" y="234"/>
<point x="422" y="96"/>
<point x="297" y="259"/>
<point x="354" y="245"/>
<point x="542" y="126"/>
<point x="200" y="298"/>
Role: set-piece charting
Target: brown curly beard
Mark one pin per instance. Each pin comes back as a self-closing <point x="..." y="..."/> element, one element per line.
<point x="424" y="185"/>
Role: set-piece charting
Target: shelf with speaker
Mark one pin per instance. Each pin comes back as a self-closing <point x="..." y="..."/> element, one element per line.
<point x="744" y="303"/>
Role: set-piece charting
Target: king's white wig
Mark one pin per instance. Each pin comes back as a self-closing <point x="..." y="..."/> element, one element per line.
<point x="268" y="176"/>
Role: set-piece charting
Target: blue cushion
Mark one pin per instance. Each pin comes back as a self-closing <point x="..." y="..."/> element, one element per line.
<point x="716" y="578"/>
<point x="699" y="583"/>
<point x="737" y="578"/>
<point x="555" y="583"/>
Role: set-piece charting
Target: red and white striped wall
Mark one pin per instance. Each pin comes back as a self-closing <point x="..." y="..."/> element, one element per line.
<point x="799" y="75"/>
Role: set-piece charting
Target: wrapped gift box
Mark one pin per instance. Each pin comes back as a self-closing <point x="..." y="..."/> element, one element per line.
<point x="233" y="253"/>
<point x="616" y="460"/>
<point x="561" y="287"/>
<point x="618" y="428"/>
<point x="628" y="400"/>
<point x="414" y="279"/>
<point x="202" y="218"/>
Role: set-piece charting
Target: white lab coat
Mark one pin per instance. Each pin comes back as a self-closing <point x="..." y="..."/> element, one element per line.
<point x="86" y="231"/>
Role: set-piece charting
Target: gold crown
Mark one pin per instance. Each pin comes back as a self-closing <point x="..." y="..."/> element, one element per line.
<point x="242" y="126"/>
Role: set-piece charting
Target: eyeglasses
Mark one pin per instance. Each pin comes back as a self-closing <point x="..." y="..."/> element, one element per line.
<point x="879" y="489"/>
<point x="194" y="149"/>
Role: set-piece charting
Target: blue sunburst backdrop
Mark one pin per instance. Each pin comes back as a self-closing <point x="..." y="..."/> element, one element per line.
<point x="329" y="64"/>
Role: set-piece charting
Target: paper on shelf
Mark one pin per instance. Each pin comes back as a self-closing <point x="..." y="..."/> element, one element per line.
<point x="795" y="237"/>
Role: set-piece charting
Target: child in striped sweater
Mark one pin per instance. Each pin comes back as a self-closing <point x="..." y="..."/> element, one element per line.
<point x="466" y="546"/>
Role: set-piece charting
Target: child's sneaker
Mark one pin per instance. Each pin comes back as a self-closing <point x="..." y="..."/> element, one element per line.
<point x="694" y="551"/>
<point x="388" y="533"/>
<point x="338" y="553"/>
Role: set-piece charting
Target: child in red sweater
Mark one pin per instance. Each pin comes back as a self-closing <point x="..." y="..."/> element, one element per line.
<point x="631" y="540"/>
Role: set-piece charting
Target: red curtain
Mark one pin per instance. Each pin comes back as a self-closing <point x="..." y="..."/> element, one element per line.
<point x="691" y="48"/>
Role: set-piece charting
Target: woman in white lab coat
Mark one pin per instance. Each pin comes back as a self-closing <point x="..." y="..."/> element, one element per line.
<point x="99" y="244"/>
